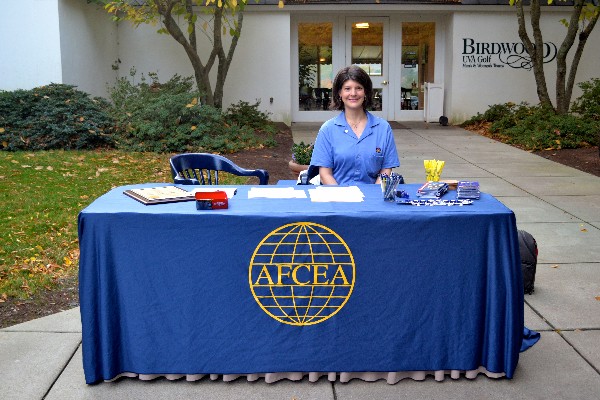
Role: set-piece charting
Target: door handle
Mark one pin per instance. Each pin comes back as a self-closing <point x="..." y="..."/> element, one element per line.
<point x="384" y="83"/>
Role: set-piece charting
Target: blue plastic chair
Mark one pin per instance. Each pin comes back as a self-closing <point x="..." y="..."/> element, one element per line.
<point x="203" y="169"/>
<point x="305" y="178"/>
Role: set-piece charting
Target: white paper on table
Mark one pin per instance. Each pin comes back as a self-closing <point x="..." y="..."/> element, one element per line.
<point x="346" y="194"/>
<point x="229" y="191"/>
<point x="276" y="193"/>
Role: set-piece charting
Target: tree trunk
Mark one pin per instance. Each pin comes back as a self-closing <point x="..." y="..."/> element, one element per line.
<point x="562" y="102"/>
<point x="565" y="77"/>
<point x="225" y="61"/>
<point x="534" y="49"/>
<point x="582" y="40"/>
<point x="202" y="71"/>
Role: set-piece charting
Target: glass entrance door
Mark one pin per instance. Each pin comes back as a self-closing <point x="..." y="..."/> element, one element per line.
<point x="417" y="64"/>
<point x="366" y="46"/>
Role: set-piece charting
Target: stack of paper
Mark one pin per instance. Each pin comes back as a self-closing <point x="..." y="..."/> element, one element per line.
<point x="347" y="194"/>
<point x="276" y="193"/>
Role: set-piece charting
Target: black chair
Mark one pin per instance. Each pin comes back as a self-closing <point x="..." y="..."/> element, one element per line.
<point x="305" y="178"/>
<point x="201" y="168"/>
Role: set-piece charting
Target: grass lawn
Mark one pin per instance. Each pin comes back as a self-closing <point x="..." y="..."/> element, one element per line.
<point x="41" y="195"/>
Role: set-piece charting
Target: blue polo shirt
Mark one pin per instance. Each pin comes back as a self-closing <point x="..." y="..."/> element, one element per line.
<point x="355" y="160"/>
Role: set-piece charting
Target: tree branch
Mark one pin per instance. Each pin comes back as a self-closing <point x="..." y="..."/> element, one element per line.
<point x="583" y="37"/>
<point x="192" y="34"/>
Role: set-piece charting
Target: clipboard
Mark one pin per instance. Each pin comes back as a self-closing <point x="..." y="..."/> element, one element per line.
<point x="160" y="195"/>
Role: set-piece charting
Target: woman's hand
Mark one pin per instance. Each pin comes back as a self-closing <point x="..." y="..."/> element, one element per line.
<point x="326" y="175"/>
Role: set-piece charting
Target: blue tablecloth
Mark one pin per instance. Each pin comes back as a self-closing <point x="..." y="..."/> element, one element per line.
<point x="170" y="289"/>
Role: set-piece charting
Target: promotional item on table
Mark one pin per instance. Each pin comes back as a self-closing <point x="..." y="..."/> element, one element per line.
<point x="467" y="190"/>
<point x="433" y="169"/>
<point x="389" y="183"/>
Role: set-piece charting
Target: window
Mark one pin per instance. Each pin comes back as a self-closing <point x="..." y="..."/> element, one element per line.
<point x="418" y="50"/>
<point x="315" y="71"/>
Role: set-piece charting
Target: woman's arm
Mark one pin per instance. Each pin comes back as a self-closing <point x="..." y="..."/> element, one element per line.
<point x="387" y="171"/>
<point x="326" y="175"/>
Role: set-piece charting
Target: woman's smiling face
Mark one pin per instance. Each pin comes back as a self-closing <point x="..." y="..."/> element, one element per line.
<point x="352" y="94"/>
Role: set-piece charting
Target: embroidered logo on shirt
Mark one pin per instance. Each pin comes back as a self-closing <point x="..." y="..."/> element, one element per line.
<point x="377" y="150"/>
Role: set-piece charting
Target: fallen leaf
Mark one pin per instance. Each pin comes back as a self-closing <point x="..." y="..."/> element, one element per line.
<point x="554" y="266"/>
<point x="583" y="230"/>
<point x="597" y="298"/>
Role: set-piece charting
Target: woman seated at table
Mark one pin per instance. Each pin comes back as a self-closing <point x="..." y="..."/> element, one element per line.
<point x="356" y="146"/>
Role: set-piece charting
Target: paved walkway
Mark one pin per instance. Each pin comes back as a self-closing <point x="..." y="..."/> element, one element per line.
<point x="559" y="205"/>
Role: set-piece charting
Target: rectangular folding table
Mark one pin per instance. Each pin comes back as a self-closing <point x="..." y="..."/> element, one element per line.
<point x="291" y="285"/>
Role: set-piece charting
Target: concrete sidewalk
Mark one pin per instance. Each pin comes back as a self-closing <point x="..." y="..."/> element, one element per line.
<point x="560" y="206"/>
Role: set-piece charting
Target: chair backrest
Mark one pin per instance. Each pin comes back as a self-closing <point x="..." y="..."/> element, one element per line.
<point x="203" y="169"/>
<point x="305" y="177"/>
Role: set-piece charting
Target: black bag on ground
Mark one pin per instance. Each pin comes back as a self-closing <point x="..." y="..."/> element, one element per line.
<point x="529" y="253"/>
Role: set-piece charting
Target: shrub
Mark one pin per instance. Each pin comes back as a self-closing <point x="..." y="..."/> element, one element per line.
<point x="302" y="153"/>
<point x="55" y="116"/>
<point x="168" y="118"/>
<point x="244" y="113"/>
<point x="536" y="127"/>
<point x="544" y="129"/>
<point x="588" y="104"/>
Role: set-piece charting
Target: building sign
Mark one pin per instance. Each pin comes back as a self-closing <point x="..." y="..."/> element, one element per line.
<point x="501" y="54"/>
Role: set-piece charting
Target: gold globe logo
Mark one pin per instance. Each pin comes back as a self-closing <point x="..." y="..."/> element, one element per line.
<point x="302" y="273"/>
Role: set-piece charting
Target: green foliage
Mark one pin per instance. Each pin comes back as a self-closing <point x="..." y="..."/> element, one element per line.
<point x="543" y="129"/>
<point x="302" y="153"/>
<point x="55" y="116"/>
<point x="536" y="127"/>
<point x="588" y="104"/>
<point x="244" y="113"/>
<point x="168" y="118"/>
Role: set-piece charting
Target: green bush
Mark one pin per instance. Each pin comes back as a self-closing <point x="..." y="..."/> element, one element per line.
<point x="244" y="113"/>
<point x="543" y="129"/>
<point x="588" y="104"/>
<point x="302" y="153"/>
<point x="55" y="116"/>
<point x="167" y="117"/>
<point x="537" y="127"/>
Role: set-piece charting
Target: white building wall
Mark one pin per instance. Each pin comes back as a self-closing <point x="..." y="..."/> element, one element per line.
<point x="260" y="68"/>
<point x="88" y="42"/>
<point x="473" y="86"/>
<point x="143" y="50"/>
<point x="30" y="44"/>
